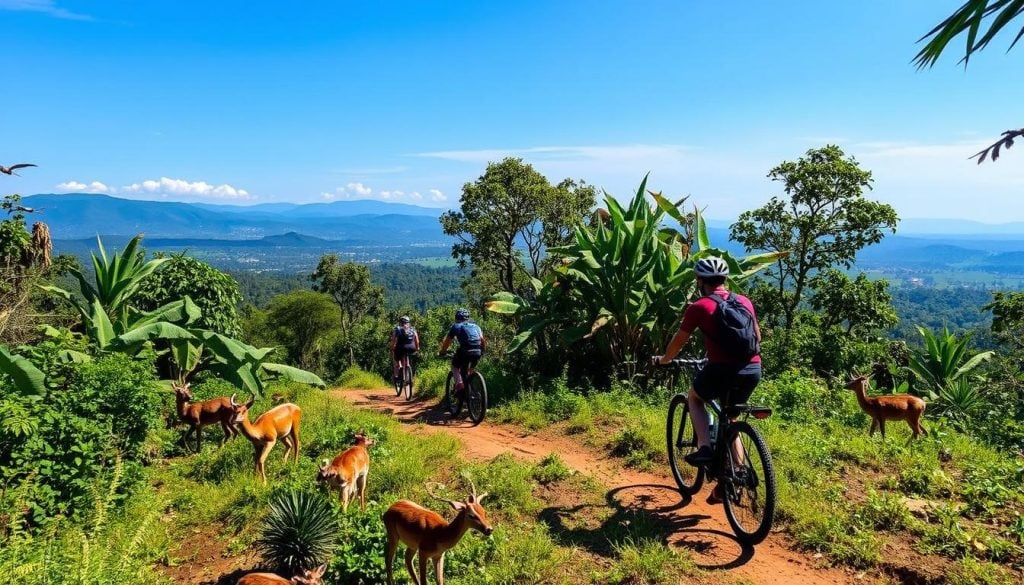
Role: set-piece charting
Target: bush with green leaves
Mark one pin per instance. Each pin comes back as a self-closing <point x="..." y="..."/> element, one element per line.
<point x="74" y="434"/>
<point x="299" y="532"/>
<point x="216" y="294"/>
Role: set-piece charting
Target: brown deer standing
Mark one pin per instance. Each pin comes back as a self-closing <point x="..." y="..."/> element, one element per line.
<point x="199" y="414"/>
<point x="278" y="423"/>
<point x="892" y="407"/>
<point x="348" y="472"/>
<point x="427" y="533"/>
<point x="308" y="577"/>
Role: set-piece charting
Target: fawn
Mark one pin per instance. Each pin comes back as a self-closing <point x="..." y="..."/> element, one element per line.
<point x="883" y="408"/>
<point x="348" y="472"/>
<point x="199" y="414"/>
<point x="308" y="577"/>
<point x="426" y="532"/>
<point x="280" y="422"/>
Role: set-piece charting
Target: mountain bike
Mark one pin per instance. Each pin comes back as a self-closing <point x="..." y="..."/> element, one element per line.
<point x="747" y="482"/>
<point x="406" y="373"/>
<point x="474" y="394"/>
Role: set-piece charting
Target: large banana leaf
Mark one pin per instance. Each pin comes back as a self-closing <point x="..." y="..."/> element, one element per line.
<point x="28" y="379"/>
<point x="293" y="374"/>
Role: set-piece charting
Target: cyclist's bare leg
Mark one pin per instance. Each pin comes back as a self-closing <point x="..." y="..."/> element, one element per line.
<point x="739" y="455"/>
<point x="396" y="367"/>
<point x="457" y="375"/>
<point x="701" y="419"/>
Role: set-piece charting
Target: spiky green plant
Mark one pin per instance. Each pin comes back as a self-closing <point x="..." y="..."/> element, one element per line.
<point x="299" y="532"/>
<point x="943" y="360"/>
<point x="960" y="401"/>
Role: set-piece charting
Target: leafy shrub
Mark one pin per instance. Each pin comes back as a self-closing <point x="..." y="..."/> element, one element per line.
<point x="551" y="469"/>
<point x="430" y="381"/>
<point x="216" y="294"/>
<point x="359" y="558"/>
<point x="509" y="481"/>
<point x="299" y="532"/>
<point x="356" y="378"/>
<point x="75" y="434"/>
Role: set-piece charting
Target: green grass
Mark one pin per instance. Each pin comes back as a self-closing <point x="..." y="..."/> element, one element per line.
<point x="648" y="562"/>
<point x="355" y="378"/>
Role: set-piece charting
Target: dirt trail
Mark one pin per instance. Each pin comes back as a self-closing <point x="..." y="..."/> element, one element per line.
<point x="694" y="525"/>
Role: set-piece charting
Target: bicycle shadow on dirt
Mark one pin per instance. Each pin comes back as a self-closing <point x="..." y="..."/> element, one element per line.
<point x="646" y="516"/>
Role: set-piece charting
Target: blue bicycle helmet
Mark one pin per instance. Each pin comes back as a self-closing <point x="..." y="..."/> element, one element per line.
<point x="462" y="314"/>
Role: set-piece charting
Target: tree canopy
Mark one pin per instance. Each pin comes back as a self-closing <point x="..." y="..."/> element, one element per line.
<point x="216" y="294"/>
<point x="823" y="221"/>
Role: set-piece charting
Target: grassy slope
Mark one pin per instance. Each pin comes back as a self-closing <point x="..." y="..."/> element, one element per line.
<point x="201" y="517"/>
<point x="841" y="493"/>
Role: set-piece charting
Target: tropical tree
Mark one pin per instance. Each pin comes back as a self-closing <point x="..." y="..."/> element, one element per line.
<point x="969" y="19"/>
<point x="623" y="282"/>
<point x="943" y="361"/>
<point x="509" y="216"/>
<point x="351" y="287"/>
<point x="303" y="320"/>
<point x="216" y="294"/>
<point x="858" y="305"/>
<point x="822" y="222"/>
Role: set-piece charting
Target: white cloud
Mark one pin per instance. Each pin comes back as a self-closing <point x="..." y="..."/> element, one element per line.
<point x="77" y="187"/>
<point x="415" y="196"/>
<point x="183" y="188"/>
<point x="44" y="6"/>
<point x="391" y="195"/>
<point x="436" y="195"/>
<point x="358" y="189"/>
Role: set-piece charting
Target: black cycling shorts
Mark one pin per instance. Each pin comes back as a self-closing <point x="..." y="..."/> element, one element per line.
<point x="727" y="383"/>
<point x="466" y="357"/>
<point x="401" y="352"/>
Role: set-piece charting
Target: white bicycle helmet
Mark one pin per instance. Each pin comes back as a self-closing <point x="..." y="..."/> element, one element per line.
<point x="709" y="267"/>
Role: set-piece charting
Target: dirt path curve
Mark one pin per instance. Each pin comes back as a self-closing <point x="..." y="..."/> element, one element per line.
<point x="696" y="526"/>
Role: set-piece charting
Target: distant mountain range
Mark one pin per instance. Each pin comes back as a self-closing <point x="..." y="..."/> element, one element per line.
<point x="77" y="215"/>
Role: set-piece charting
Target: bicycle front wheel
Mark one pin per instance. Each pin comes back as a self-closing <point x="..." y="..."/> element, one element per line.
<point x="681" y="441"/>
<point x="407" y="375"/>
<point x="749" y="484"/>
<point x="476" y="395"/>
<point x="451" y="402"/>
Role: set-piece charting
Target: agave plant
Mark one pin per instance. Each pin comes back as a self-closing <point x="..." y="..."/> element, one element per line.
<point x="630" y="276"/>
<point x="944" y="359"/>
<point x="960" y="401"/>
<point x="299" y="532"/>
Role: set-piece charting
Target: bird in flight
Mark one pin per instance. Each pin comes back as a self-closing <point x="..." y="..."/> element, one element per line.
<point x="10" y="170"/>
<point x="24" y="209"/>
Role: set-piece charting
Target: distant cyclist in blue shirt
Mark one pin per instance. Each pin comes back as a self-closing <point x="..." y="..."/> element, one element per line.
<point x="471" y="345"/>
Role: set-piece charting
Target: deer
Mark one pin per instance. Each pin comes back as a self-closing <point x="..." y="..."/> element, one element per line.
<point x="278" y="423"/>
<point x="428" y="534"/>
<point x="892" y="407"/>
<point x="348" y="472"/>
<point x="199" y="414"/>
<point x="308" y="577"/>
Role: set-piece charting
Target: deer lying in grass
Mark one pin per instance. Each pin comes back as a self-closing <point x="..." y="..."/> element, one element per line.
<point x="199" y="414"/>
<point x="892" y="407"/>
<point x="426" y="532"/>
<point x="308" y="577"/>
<point x="347" y="473"/>
<point x="278" y="423"/>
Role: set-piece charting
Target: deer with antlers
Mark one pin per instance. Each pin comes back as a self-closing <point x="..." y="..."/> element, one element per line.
<point x="891" y="407"/>
<point x="308" y="577"/>
<point x="199" y="414"/>
<point x="428" y="534"/>
<point x="278" y="423"/>
<point x="348" y="472"/>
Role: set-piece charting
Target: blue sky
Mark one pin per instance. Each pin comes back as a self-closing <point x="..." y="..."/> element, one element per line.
<point x="249" y="102"/>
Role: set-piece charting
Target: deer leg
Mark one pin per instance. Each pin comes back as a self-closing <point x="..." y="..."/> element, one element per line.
<point x="881" y="427"/>
<point x="423" y="569"/>
<point x="874" y="425"/>
<point x="295" y="438"/>
<point x="228" y="433"/>
<point x="409" y="554"/>
<point x="261" y="460"/>
<point x="199" y="438"/>
<point x="389" y="556"/>
<point x="345" y="495"/>
<point x="287" y="447"/>
<point x="439" y="569"/>
<point x="361" y="484"/>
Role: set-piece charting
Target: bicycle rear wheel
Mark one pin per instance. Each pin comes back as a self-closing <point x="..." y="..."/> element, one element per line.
<point x="749" y="485"/>
<point x="407" y="375"/>
<point x="476" y="397"/>
<point x="398" y="383"/>
<point x="681" y="441"/>
<point x="451" y="402"/>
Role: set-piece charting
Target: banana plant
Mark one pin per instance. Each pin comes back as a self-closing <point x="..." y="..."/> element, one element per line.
<point x="28" y="379"/>
<point x="246" y="366"/>
<point x="629" y="277"/>
<point x="944" y="359"/>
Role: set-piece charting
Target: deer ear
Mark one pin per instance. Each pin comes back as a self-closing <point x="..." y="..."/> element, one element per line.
<point x="325" y="465"/>
<point x="457" y="506"/>
<point x="319" y="571"/>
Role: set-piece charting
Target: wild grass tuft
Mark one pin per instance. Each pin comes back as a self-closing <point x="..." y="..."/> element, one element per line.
<point x="648" y="562"/>
<point x="359" y="379"/>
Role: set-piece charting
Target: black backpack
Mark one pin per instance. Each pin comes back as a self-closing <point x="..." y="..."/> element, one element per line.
<point x="404" y="337"/>
<point x="736" y="330"/>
